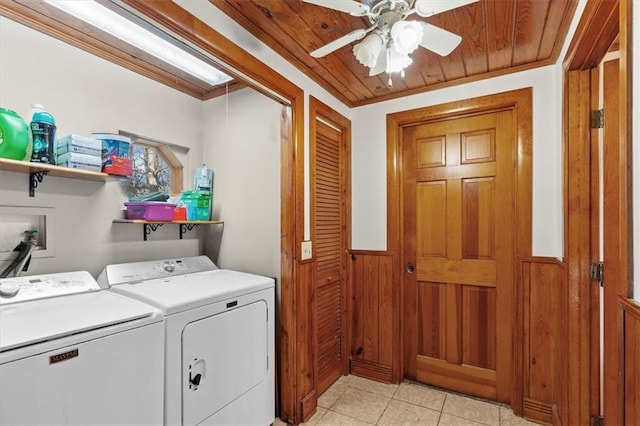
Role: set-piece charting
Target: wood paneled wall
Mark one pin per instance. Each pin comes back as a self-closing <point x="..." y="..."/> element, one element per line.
<point x="542" y="281"/>
<point x="630" y="313"/>
<point x="374" y="323"/>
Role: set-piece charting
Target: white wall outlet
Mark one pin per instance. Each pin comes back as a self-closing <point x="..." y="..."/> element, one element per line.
<point x="306" y="250"/>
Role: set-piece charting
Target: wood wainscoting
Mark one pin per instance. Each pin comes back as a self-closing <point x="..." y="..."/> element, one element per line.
<point x="629" y="312"/>
<point x="541" y="317"/>
<point x="375" y="342"/>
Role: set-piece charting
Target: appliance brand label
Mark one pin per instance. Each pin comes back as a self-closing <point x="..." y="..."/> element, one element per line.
<point x="63" y="356"/>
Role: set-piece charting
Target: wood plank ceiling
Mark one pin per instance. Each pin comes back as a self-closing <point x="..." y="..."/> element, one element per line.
<point x="498" y="37"/>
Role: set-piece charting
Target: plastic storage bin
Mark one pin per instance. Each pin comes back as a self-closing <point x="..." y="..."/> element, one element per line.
<point x="198" y="204"/>
<point x="113" y="145"/>
<point x="150" y="210"/>
<point x="204" y="205"/>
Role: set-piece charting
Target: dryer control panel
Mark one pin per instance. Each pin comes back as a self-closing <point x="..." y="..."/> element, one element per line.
<point x="130" y="273"/>
<point x="24" y="288"/>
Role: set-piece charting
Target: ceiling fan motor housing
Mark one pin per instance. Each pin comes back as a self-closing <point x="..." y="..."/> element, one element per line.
<point x="388" y="12"/>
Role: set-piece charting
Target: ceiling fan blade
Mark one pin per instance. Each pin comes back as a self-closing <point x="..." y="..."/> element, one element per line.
<point x="351" y="7"/>
<point x="338" y="43"/>
<point x="438" y="40"/>
<point x="433" y="7"/>
<point x="381" y="64"/>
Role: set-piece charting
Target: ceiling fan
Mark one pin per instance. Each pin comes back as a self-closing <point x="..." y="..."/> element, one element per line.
<point x="391" y="38"/>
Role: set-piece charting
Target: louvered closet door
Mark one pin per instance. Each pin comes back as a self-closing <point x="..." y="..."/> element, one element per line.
<point x="328" y="249"/>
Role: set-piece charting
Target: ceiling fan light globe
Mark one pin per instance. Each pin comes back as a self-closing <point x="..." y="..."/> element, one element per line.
<point x="368" y="50"/>
<point x="406" y="36"/>
<point x="397" y="61"/>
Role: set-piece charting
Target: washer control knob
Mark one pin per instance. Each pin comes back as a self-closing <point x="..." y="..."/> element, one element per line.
<point x="9" y="289"/>
<point x="169" y="266"/>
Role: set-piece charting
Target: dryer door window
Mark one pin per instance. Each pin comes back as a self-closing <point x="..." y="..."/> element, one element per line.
<point x="223" y="357"/>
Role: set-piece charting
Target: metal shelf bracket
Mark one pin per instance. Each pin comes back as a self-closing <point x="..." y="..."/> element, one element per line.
<point x="184" y="227"/>
<point x="148" y="228"/>
<point x="34" y="179"/>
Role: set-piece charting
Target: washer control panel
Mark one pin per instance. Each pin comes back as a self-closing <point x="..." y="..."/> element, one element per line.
<point x="25" y="288"/>
<point x="131" y="273"/>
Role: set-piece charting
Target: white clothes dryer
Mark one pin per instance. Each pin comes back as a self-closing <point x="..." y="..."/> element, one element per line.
<point x="219" y="341"/>
<point x="71" y="354"/>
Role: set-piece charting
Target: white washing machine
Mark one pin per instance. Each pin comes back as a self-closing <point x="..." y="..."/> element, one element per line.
<point x="72" y="354"/>
<point x="219" y="341"/>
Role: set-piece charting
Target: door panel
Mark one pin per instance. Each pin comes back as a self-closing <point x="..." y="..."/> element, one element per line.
<point x="459" y="198"/>
<point x="478" y="218"/>
<point x="431" y="219"/>
<point x="224" y="356"/>
<point x="329" y="238"/>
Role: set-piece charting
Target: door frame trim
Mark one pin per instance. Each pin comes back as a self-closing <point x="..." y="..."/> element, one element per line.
<point x="602" y="21"/>
<point x="520" y="101"/>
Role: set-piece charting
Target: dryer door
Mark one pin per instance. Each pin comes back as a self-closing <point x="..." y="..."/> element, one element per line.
<point x="223" y="357"/>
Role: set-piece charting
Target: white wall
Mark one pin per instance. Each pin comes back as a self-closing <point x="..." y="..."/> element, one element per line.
<point x="369" y="134"/>
<point x="369" y="156"/>
<point x="87" y="94"/>
<point x="636" y="149"/>
<point x="219" y="21"/>
<point x="242" y="146"/>
<point x="369" y="153"/>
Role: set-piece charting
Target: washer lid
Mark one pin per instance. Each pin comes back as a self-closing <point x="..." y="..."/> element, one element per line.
<point x="28" y="323"/>
<point x="179" y="293"/>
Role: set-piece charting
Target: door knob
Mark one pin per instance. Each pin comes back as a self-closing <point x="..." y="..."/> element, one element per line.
<point x="411" y="268"/>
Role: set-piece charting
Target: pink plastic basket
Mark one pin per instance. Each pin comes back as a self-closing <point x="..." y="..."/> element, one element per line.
<point x="150" y="210"/>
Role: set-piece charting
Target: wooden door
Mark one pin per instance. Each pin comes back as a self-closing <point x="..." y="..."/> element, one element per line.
<point x="458" y="214"/>
<point x="615" y="246"/>
<point x="329" y="198"/>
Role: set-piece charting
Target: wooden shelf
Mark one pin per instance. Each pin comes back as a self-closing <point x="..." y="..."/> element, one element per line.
<point x="26" y="167"/>
<point x="37" y="171"/>
<point x="150" y="226"/>
<point x="163" y="222"/>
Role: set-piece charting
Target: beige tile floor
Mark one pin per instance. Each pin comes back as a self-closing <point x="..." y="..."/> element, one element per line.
<point x="356" y="401"/>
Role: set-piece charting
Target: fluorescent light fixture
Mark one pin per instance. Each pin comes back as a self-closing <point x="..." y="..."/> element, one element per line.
<point x="118" y="26"/>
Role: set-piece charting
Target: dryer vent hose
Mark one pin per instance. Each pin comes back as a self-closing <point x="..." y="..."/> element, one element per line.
<point x="24" y="250"/>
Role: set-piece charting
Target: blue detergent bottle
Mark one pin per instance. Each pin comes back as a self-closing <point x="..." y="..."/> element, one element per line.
<point x="43" y="130"/>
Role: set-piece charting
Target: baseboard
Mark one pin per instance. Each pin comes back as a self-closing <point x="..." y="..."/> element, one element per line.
<point x="371" y="370"/>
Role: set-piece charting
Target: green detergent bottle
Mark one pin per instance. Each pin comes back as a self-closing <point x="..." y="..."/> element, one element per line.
<point x="14" y="135"/>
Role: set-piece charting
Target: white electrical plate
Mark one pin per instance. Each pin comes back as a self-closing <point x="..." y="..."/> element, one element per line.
<point x="15" y="220"/>
<point x="306" y="250"/>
